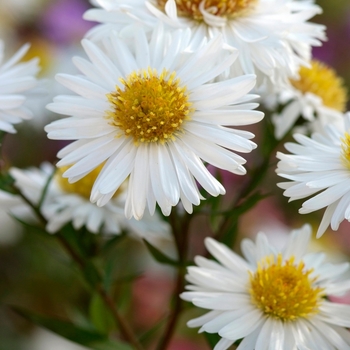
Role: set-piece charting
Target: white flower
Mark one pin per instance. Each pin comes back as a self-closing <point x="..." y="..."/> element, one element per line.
<point x="64" y="203"/>
<point x="318" y="95"/>
<point x="273" y="37"/>
<point x="149" y="112"/>
<point x="17" y="80"/>
<point x="319" y="164"/>
<point x="273" y="300"/>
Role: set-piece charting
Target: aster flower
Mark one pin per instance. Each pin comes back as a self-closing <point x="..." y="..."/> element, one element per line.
<point x="64" y="203"/>
<point x="16" y="81"/>
<point x="318" y="95"/>
<point x="319" y="163"/>
<point x="273" y="37"/>
<point x="272" y="300"/>
<point x="149" y="112"/>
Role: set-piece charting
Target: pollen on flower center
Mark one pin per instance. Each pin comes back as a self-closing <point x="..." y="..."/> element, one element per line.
<point x="323" y="82"/>
<point x="284" y="290"/>
<point x="222" y="8"/>
<point x="150" y="107"/>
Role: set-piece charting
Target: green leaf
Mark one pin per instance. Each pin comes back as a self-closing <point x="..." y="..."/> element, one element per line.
<point x="230" y="232"/>
<point x="100" y="317"/>
<point x="91" y="274"/>
<point x="149" y="334"/>
<point x="86" y="337"/>
<point x="160" y="256"/>
<point x="7" y="183"/>
<point x="113" y="242"/>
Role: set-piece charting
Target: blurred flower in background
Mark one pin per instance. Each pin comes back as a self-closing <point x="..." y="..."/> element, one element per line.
<point x="44" y="340"/>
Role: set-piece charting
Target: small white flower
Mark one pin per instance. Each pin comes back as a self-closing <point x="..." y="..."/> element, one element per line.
<point x="148" y="111"/>
<point x="272" y="300"/>
<point x="319" y="164"/>
<point x="17" y="80"/>
<point x="273" y="37"/>
<point x="318" y="96"/>
<point x="64" y="203"/>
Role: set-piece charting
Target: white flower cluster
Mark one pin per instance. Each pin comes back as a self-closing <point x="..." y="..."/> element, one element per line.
<point x="163" y="95"/>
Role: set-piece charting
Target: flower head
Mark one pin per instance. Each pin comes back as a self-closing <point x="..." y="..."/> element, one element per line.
<point x="318" y="95"/>
<point x="65" y="203"/>
<point x="273" y="299"/>
<point x="274" y="38"/>
<point x="320" y="163"/>
<point x="17" y="80"/>
<point x="147" y="110"/>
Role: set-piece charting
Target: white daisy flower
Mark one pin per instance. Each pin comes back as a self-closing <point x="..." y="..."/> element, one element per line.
<point x="17" y="80"/>
<point x="151" y="115"/>
<point x="318" y="95"/>
<point x="273" y="37"/>
<point x="272" y="300"/>
<point x="319" y="164"/>
<point x="64" y="203"/>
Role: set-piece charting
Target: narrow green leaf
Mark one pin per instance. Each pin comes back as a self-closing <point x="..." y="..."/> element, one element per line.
<point x="7" y="183"/>
<point x="31" y="227"/>
<point x="160" y="256"/>
<point x="68" y="330"/>
<point x="229" y="235"/>
<point x="149" y="334"/>
<point x="91" y="274"/>
<point x="99" y="316"/>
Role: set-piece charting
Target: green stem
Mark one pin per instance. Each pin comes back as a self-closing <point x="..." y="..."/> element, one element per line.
<point x="180" y="233"/>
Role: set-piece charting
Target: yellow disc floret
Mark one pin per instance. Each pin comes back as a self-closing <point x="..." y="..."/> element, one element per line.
<point x="345" y="155"/>
<point x="323" y="82"/>
<point x="151" y="107"/>
<point x="222" y="8"/>
<point x="82" y="187"/>
<point x="284" y="290"/>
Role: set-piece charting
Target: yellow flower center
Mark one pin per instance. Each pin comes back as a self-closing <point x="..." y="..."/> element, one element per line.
<point x="284" y="290"/>
<point x="222" y="8"/>
<point x="323" y="82"/>
<point x="82" y="187"/>
<point x="345" y="155"/>
<point x="150" y="107"/>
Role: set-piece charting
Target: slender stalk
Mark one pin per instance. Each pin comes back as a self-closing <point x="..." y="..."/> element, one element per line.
<point x="255" y="179"/>
<point x="180" y="233"/>
<point x="125" y="329"/>
<point x="257" y="175"/>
